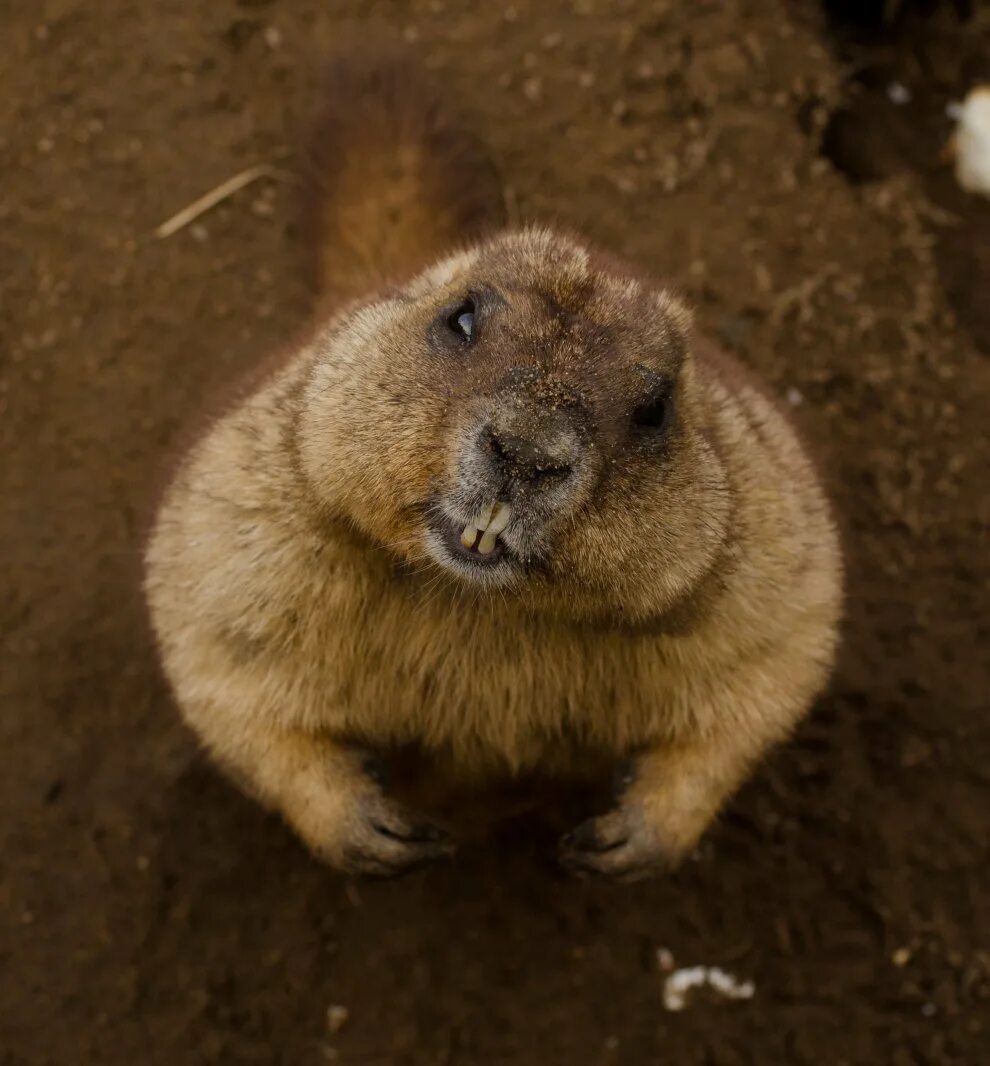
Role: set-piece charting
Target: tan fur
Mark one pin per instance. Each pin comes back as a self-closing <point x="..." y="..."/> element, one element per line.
<point x="681" y="607"/>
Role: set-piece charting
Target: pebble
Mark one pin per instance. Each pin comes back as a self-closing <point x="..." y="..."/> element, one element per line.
<point x="337" y="1016"/>
<point x="532" y="88"/>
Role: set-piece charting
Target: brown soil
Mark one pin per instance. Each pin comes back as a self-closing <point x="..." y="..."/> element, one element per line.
<point x="150" y="915"/>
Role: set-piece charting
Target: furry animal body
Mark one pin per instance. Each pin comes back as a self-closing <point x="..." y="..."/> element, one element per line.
<point x="501" y="511"/>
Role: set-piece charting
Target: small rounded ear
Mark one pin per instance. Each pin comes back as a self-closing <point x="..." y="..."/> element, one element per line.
<point x="680" y="315"/>
<point x="680" y="321"/>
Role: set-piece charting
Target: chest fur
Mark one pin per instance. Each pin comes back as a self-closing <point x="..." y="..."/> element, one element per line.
<point x="385" y="665"/>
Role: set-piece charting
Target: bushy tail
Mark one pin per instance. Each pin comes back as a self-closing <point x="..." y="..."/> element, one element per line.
<point x="394" y="179"/>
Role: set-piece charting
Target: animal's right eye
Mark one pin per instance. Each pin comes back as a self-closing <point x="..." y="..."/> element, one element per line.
<point x="461" y="321"/>
<point x="653" y="416"/>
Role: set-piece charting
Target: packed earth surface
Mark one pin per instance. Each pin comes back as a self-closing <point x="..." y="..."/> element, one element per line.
<point x="782" y="162"/>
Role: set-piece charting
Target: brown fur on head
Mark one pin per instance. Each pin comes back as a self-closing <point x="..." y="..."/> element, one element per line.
<point x="573" y="400"/>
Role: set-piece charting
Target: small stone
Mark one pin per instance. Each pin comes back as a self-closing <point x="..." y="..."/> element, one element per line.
<point x="273" y="37"/>
<point x="665" y="960"/>
<point x="532" y="88"/>
<point x="337" y="1017"/>
<point x="901" y="957"/>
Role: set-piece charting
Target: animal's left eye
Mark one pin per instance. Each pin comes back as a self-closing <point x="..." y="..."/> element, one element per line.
<point x="461" y="321"/>
<point x="654" y="415"/>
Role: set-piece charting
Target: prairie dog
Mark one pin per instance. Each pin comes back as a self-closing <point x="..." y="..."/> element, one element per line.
<point x="501" y="507"/>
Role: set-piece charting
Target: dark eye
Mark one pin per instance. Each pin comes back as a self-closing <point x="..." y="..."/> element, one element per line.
<point x="654" y="415"/>
<point x="461" y="321"/>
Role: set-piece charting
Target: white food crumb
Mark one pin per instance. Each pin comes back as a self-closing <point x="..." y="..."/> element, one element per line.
<point x="970" y="143"/>
<point x="897" y="93"/>
<point x="679" y="983"/>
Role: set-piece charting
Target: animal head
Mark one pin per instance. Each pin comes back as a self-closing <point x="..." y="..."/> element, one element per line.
<point x="525" y="418"/>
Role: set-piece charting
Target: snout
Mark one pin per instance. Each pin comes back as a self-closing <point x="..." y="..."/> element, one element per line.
<point x="528" y="454"/>
<point x="523" y="464"/>
<point x="532" y="438"/>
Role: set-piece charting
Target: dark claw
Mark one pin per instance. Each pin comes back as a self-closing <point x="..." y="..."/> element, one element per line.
<point x="367" y="864"/>
<point x="382" y="871"/>
<point x="598" y="864"/>
<point x="586" y="837"/>
<point x="576" y="865"/>
<point x="430" y="833"/>
<point x="422" y="833"/>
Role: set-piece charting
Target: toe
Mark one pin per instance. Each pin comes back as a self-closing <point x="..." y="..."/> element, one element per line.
<point x="597" y="834"/>
<point x="614" y="845"/>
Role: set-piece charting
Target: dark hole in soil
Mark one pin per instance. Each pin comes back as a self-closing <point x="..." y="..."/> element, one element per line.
<point x="876" y="18"/>
<point x="908" y="60"/>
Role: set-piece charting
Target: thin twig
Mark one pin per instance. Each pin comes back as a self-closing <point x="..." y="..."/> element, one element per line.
<point x="219" y="194"/>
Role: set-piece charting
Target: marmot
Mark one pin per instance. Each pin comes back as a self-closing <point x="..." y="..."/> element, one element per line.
<point x="500" y="508"/>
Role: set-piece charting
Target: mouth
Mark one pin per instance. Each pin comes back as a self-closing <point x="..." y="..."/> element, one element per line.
<point x="478" y="544"/>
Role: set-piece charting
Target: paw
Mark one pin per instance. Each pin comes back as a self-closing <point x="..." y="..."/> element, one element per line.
<point x="382" y="840"/>
<point x="337" y="805"/>
<point x="620" y="844"/>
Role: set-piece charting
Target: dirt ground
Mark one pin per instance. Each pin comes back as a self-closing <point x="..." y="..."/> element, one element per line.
<point x="749" y="149"/>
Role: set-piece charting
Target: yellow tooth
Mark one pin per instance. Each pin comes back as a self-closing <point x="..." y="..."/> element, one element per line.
<point x="487" y="545"/>
<point x="467" y="537"/>
<point x="503" y="512"/>
<point x="484" y="516"/>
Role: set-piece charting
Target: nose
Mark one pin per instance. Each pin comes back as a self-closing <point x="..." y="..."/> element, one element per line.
<point x="525" y="460"/>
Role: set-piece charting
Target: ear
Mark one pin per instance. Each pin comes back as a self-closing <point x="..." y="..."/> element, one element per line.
<point x="679" y="314"/>
<point x="679" y="323"/>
